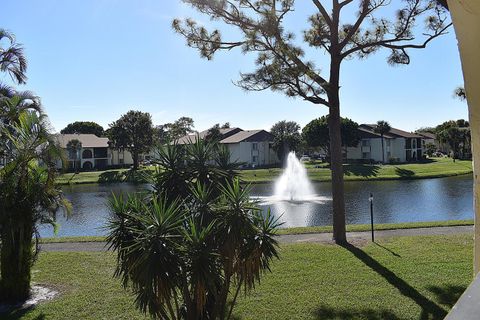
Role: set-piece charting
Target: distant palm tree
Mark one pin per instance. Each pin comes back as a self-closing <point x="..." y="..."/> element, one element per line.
<point x="382" y="128"/>
<point x="74" y="146"/>
<point x="12" y="58"/>
<point x="28" y="197"/>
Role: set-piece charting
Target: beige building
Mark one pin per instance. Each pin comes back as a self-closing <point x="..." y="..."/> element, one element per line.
<point x="253" y="148"/>
<point x="95" y="153"/>
<point x="399" y="145"/>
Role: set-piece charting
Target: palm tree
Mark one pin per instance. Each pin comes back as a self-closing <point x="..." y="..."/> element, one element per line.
<point x="29" y="197"/>
<point x="13" y="103"/>
<point x="12" y="58"/>
<point x="381" y="128"/>
<point x="74" y="147"/>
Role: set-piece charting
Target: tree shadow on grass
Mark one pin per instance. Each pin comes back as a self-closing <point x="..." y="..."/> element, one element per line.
<point x="404" y="173"/>
<point x="326" y="312"/>
<point x="430" y="310"/>
<point x="19" y="313"/>
<point x="111" y="176"/>
<point x="136" y="176"/>
<point x="364" y="170"/>
<point x="447" y="295"/>
<point x="387" y="249"/>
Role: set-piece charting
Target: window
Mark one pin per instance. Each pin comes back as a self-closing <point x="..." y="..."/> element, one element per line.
<point x="87" y="154"/>
<point x="365" y="143"/>
<point x="408" y="155"/>
<point x="254" y="159"/>
<point x="365" y="155"/>
<point x="120" y="161"/>
<point x="254" y="146"/>
<point x="388" y="142"/>
<point x="414" y="143"/>
<point x="408" y="143"/>
<point x="100" y="152"/>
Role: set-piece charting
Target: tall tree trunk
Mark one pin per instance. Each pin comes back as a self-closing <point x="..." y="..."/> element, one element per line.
<point x="334" y="128"/>
<point x="336" y="165"/>
<point x="16" y="259"/>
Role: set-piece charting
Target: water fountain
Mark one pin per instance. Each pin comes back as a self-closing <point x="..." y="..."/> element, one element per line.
<point x="293" y="186"/>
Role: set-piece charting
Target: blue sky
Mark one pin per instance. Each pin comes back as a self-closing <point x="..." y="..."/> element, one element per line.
<point x="94" y="60"/>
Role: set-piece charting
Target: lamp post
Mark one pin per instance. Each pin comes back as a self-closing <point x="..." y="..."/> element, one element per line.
<point x="370" y="199"/>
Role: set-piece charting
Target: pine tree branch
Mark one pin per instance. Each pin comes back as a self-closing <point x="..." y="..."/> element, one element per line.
<point x="390" y="43"/>
<point x="324" y="12"/>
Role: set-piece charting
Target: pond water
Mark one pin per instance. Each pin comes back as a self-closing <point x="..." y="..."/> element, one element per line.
<point x="394" y="201"/>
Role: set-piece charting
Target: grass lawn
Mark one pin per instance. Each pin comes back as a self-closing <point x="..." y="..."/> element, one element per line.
<point x="399" y="278"/>
<point x="108" y="176"/>
<point x="436" y="167"/>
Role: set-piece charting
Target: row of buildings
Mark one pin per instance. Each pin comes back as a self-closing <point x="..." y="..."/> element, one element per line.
<point x="254" y="148"/>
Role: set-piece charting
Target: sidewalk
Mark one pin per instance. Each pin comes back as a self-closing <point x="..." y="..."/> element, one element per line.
<point x="290" y="238"/>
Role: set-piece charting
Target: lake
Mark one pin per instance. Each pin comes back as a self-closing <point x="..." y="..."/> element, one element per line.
<point x="394" y="201"/>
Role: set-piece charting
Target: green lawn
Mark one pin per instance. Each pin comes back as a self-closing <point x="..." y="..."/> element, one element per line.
<point x="399" y="278"/>
<point x="108" y="176"/>
<point x="434" y="168"/>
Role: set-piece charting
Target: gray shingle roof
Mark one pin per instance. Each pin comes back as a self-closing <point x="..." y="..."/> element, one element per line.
<point x="191" y="138"/>
<point x="250" y="136"/>
<point x="393" y="133"/>
<point x="87" y="140"/>
<point x="231" y="135"/>
<point x="428" y="135"/>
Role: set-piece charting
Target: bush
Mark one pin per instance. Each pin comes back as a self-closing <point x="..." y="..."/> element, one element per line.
<point x="195" y="240"/>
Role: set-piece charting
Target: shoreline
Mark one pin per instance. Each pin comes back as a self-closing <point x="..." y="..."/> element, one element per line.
<point x="312" y="179"/>
<point x="305" y="230"/>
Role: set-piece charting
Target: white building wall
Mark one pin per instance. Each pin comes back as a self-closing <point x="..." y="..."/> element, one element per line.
<point x="373" y="150"/>
<point x="116" y="155"/>
<point x="398" y="149"/>
<point x="245" y="152"/>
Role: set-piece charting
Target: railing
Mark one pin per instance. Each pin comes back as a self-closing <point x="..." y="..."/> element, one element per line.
<point x="468" y="306"/>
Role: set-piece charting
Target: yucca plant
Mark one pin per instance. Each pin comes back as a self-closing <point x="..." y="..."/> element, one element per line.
<point x="191" y="245"/>
<point x="170" y="173"/>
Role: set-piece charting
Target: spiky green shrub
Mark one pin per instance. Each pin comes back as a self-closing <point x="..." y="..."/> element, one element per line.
<point x="195" y="241"/>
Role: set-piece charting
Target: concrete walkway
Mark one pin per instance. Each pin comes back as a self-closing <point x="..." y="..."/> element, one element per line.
<point x="290" y="238"/>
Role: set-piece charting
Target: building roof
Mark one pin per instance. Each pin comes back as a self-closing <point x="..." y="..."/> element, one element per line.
<point x="231" y="135"/>
<point x="87" y="140"/>
<point x="191" y="138"/>
<point x="428" y="135"/>
<point x="367" y="133"/>
<point x="393" y="133"/>
<point x="249" y="136"/>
